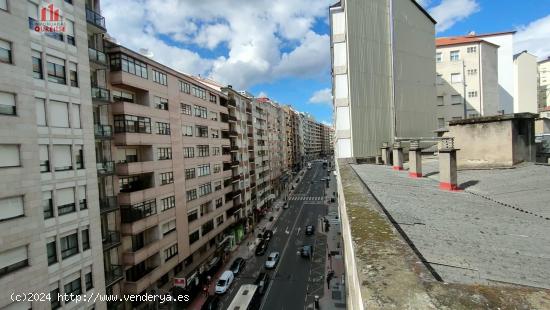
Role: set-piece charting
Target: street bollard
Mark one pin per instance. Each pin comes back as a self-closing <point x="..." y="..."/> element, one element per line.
<point x="415" y="159"/>
<point x="386" y="158"/>
<point x="316" y="301"/>
<point x="397" y="156"/>
<point x="447" y="165"/>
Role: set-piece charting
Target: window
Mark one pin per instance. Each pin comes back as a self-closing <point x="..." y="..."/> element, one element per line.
<point x="201" y="112"/>
<point x="168" y="203"/>
<point x="82" y="201"/>
<point x="163" y="128"/>
<point x="202" y="131"/>
<point x="192" y="216"/>
<point x="187" y="130"/>
<point x="189" y="173"/>
<point x="88" y="281"/>
<point x="76" y="115"/>
<point x="40" y="111"/>
<point x="215" y="133"/>
<point x="217" y="185"/>
<point x="160" y="103"/>
<point x="5" y="52"/>
<point x="7" y="104"/>
<point x="9" y="155"/>
<point x="65" y="201"/>
<point x="69" y="25"/>
<point x="439" y="79"/>
<point x="132" y="124"/>
<point x="168" y="227"/>
<point x="457" y="118"/>
<point x="439" y="100"/>
<point x="55" y="302"/>
<point x="170" y="252"/>
<point x="74" y="287"/>
<point x="217" y="168"/>
<point x="69" y="246"/>
<point x="441" y="122"/>
<point x="73" y="74"/>
<point x="185" y="87"/>
<point x="159" y="77"/>
<point x="79" y="156"/>
<point x="207" y="227"/>
<point x="47" y="204"/>
<point x="216" y="151"/>
<point x="185" y="109"/>
<point x="472" y="49"/>
<point x="14" y="259"/>
<point x="4" y="5"/>
<point x="456" y="99"/>
<point x="219" y="203"/>
<point x="59" y="114"/>
<point x="213" y="98"/>
<point x="203" y="150"/>
<point x="11" y="208"/>
<point x="219" y="220"/>
<point x="472" y="94"/>
<point x="203" y="170"/>
<point x="128" y="64"/>
<point x="56" y="70"/>
<point x="456" y="78"/>
<point x="213" y="116"/>
<point x="205" y="189"/>
<point x="455" y="55"/>
<point x="119" y="95"/>
<point x="62" y="158"/>
<point x="51" y="249"/>
<point x="191" y="194"/>
<point x="198" y="92"/>
<point x="472" y="71"/>
<point x="166" y="178"/>
<point x="165" y="153"/>
<point x="194" y="237"/>
<point x="85" y="239"/>
<point x="438" y="57"/>
<point x="188" y="152"/>
<point x="37" y="65"/>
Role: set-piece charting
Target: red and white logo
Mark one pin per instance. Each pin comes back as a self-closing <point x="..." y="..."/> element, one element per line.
<point x="50" y="18"/>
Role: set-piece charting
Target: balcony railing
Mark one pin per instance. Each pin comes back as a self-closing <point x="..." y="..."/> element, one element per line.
<point x="97" y="56"/>
<point x="130" y="214"/>
<point x="234" y="147"/>
<point x="232" y="118"/>
<point x="236" y="178"/>
<point x="105" y="168"/>
<point x="235" y="163"/>
<point x="110" y="240"/>
<point x="95" y="19"/>
<point x="233" y="133"/>
<point x="103" y="131"/>
<point x="108" y="204"/>
<point x="231" y="102"/>
<point x="101" y="94"/>
<point x="113" y="275"/>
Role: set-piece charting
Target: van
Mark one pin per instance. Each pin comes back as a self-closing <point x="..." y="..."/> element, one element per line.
<point x="224" y="282"/>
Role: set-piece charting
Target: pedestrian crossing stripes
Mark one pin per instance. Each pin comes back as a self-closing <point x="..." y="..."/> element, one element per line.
<point x="305" y="198"/>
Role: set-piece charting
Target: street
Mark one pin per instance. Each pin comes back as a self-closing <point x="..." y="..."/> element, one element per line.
<point x="296" y="280"/>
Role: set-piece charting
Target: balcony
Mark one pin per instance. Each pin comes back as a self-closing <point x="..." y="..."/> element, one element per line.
<point x="236" y="178"/>
<point x="227" y="182"/>
<point x="235" y="163"/>
<point x="108" y="204"/>
<point x="133" y="184"/>
<point x="96" y="20"/>
<point x="101" y="95"/>
<point x="231" y="118"/>
<point x="251" y="148"/>
<point x="97" y="56"/>
<point x="105" y="168"/>
<point x="233" y="133"/>
<point x="111" y="239"/>
<point x="103" y="132"/>
<point x="234" y="148"/>
<point x="232" y="103"/>
<point x="113" y="275"/>
<point x="249" y="110"/>
<point x="130" y="214"/>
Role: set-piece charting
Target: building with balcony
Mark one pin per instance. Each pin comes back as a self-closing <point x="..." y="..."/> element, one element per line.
<point x="327" y="148"/>
<point x="50" y="214"/>
<point x="544" y="83"/>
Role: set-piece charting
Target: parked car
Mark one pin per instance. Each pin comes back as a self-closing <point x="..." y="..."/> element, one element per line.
<point x="261" y="248"/>
<point x="224" y="282"/>
<point x="268" y="234"/>
<point x="286" y="205"/>
<point x="306" y="251"/>
<point x="211" y="303"/>
<point x="272" y="260"/>
<point x="310" y="230"/>
<point x="238" y="265"/>
<point x="262" y="281"/>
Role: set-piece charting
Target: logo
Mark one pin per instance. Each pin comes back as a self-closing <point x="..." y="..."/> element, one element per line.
<point x="50" y="18"/>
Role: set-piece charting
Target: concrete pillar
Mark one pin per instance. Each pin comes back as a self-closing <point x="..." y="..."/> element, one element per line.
<point x="386" y="154"/>
<point x="379" y="160"/>
<point x="415" y="160"/>
<point x="397" y="156"/>
<point x="447" y="165"/>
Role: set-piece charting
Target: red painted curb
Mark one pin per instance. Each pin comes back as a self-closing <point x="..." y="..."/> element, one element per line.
<point x="415" y="175"/>
<point x="397" y="168"/>
<point x="449" y="187"/>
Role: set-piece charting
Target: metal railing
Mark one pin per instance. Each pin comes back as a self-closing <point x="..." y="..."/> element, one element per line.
<point x="103" y="131"/>
<point x="101" y="94"/>
<point x="97" y="56"/>
<point x="95" y="18"/>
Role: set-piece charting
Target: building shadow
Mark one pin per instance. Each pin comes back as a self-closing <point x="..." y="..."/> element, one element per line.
<point x="467" y="184"/>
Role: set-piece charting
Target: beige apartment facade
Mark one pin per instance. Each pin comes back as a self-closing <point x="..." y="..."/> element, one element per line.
<point x="49" y="223"/>
<point x="544" y="83"/>
<point x="466" y="80"/>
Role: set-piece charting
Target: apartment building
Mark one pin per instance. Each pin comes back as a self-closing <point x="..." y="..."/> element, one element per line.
<point x="327" y="148"/>
<point x="261" y="149"/>
<point x="276" y="147"/>
<point x="467" y="79"/>
<point x="544" y="83"/>
<point x="49" y="218"/>
<point x="371" y="41"/>
<point x="525" y="83"/>
<point x="312" y="137"/>
<point x="293" y="139"/>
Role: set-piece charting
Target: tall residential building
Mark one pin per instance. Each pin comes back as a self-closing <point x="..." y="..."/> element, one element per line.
<point x="383" y="74"/>
<point x="525" y="83"/>
<point x="50" y="215"/>
<point x="467" y="79"/>
<point x="544" y="83"/>
<point x="293" y="138"/>
<point x="311" y="137"/>
<point x="327" y="149"/>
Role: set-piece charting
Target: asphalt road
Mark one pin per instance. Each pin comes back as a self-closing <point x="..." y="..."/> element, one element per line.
<point x="295" y="280"/>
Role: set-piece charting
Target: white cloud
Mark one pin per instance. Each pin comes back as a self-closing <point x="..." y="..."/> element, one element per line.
<point x="254" y="33"/>
<point x="449" y="12"/>
<point x="323" y="96"/>
<point x="424" y="3"/>
<point x="263" y="94"/>
<point x="326" y="123"/>
<point x="534" y="37"/>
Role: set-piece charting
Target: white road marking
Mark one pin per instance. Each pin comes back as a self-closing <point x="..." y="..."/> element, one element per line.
<point x="298" y="231"/>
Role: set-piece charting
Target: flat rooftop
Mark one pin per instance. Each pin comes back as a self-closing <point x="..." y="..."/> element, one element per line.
<point x="496" y="231"/>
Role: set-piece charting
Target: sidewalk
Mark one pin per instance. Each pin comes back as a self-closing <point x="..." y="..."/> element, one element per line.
<point x="246" y="248"/>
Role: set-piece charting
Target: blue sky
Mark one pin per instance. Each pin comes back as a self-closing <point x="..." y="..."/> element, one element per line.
<point x="281" y="48"/>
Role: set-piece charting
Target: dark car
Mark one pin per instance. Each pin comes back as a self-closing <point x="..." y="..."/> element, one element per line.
<point x="261" y="248"/>
<point x="306" y="251"/>
<point x="262" y="281"/>
<point x="268" y="234"/>
<point x="238" y="265"/>
<point x="310" y="230"/>
<point x="211" y="303"/>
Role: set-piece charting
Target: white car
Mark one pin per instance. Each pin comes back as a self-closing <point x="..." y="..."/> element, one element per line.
<point x="224" y="282"/>
<point x="272" y="260"/>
